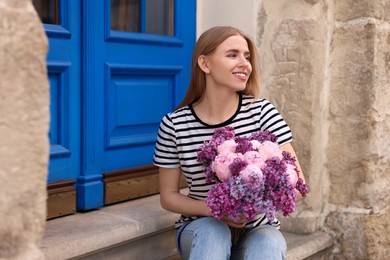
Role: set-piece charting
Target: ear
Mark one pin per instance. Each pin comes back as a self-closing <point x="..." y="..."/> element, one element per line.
<point x="203" y="64"/>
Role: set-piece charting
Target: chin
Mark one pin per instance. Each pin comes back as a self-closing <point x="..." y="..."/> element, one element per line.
<point x="241" y="89"/>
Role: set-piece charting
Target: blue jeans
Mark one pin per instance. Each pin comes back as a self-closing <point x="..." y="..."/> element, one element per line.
<point x="208" y="238"/>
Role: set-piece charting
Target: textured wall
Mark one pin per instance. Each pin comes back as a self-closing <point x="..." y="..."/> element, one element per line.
<point x="24" y="117"/>
<point x="293" y="39"/>
<point x="326" y="65"/>
<point x="358" y="151"/>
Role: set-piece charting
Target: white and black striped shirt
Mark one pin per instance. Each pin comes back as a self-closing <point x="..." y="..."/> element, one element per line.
<point x="181" y="133"/>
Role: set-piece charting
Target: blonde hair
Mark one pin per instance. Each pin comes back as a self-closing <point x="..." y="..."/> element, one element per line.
<point x="206" y="44"/>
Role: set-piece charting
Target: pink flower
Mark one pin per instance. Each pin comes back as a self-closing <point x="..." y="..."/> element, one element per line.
<point x="221" y="163"/>
<point x="251" y="170"/>
<point x="256" y="158"/>
<point x="292" y="174"/>
<point x="255" y="144"/>
<point x="270" y="150"/>
<point x="227" y="146"/>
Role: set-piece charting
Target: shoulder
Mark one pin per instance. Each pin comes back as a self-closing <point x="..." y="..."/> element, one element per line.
<point x="176" y="117"/>
<point x="252" y="102"/>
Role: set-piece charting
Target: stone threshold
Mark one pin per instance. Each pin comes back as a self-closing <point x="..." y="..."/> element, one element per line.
<point x="116" y="226"/>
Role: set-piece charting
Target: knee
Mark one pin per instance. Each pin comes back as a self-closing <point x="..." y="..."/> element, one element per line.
<point x="214" y="230"/>
<point x="209" y="239"/>
<point x="267" y="238"/>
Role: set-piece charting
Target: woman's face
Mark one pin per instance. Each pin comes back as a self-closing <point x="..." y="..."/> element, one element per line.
<point x="229" y="65"/>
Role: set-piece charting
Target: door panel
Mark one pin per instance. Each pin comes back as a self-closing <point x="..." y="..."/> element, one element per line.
<point x="145" y="74"/>
<point x="136" y="100"/>
<point x="63" y="63"/>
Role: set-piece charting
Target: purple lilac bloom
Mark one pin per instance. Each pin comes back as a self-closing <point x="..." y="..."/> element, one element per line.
<point x="243" y="145"/>
<point x="301" y="187"/>
<point x="288" y="157"/>
<point x="210" y="175"/>
<point x="237" y="166"/>
<point x="263" y="136"/>
<point x="222" y="134"/>
<point x="268" y="208"/>
<point x="206" y="153"/>
<point x="237" y="188"/>
<point x="255" y="182"/>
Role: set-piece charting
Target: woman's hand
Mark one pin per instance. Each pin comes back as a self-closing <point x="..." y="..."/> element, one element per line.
<point x="235" y="224"/>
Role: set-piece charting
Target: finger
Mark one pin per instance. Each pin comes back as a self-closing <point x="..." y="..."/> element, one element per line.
<point x="235" y="225"/>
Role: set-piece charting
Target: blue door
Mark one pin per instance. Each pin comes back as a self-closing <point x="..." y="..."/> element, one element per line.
<point x="62" y="27"/>
<point x="115" y="68"/>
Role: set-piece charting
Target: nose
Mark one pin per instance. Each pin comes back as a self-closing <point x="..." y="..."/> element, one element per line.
<point x="244" y="62"/>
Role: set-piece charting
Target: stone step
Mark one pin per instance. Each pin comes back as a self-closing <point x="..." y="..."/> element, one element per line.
<point x="138" y="229"/>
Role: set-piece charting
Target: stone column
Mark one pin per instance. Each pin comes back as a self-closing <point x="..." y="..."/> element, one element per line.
<point x="359" y="143"/>
<point x="24" y="124"/>
<point x="293" y="43"/>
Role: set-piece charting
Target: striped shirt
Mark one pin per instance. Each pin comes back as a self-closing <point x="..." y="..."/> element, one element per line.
<point x="181" y="133"/>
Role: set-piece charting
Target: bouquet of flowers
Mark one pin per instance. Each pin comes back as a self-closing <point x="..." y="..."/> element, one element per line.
<point x="253" y="175"/>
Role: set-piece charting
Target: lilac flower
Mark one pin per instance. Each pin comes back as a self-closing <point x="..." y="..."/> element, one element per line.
<point x="258" y="178"/>
<point x="206" y="153"/>
<point x="263" y="136"/>
<point x="243" y="145"/>
<point x="237" y="166"/>
<point x="224" y="133"/>
<point x="210" y="175"/>
<point x="301" y="187"/>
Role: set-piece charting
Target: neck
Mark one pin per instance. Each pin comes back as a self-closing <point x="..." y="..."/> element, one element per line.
<point x="216" y="108"/>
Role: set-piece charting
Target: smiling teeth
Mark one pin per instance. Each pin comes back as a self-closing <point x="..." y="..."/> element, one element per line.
<point x="240" y="74"/>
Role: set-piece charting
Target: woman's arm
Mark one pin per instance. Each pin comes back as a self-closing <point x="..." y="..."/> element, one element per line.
<point x="288" y="148"/>
<point x="172" y="200"/>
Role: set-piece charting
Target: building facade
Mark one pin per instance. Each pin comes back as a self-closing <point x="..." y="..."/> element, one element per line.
<point x="324" y="63"/>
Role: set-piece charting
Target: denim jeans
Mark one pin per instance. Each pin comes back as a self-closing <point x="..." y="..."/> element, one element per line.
<point x="208" y="238"/>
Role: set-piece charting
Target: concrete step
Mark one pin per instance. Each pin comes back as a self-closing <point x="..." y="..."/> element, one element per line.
<point x="138" y="229"/>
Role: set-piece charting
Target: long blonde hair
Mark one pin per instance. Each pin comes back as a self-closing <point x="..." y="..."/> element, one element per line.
<point x="206" y="44"/>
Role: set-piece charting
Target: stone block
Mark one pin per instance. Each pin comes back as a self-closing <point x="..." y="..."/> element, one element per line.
<point x="377" y="229"/>
<point x="299" y="225"/>
<point x="374" y="192"/>
<point x="359" y="116"/>
<point x="294" y="85"/>
<point x="350" y="242"/>
<point x="346" y="10"/>
<point x="24" y="124"/>
<point x="351" y="100"/>
<point x="359" y="235"/>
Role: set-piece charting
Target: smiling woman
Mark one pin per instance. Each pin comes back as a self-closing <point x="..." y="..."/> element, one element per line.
<point x="223" y="92"/>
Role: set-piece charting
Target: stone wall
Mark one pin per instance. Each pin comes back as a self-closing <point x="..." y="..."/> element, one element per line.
<point x="326" y="66"/>
<point x="24" y="122"/>
<point x="359" y="115"/>
<point x="293" y="44"/>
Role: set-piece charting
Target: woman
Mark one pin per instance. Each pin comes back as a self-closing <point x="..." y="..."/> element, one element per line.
<point x="223" y="91"/>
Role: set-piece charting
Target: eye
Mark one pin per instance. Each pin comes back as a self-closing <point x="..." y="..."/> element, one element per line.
<point x="232" y="55"/>
<point x="248" y="57"/>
